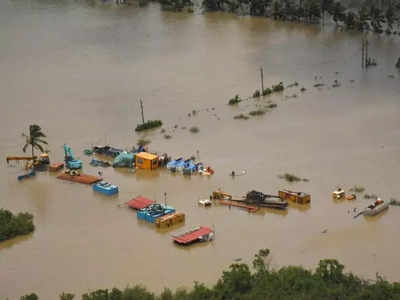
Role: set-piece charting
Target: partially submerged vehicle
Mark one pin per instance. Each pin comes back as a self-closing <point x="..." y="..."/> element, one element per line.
<point x="99" y="163"/>
<point x="172" y="165"/>
<point x="154" y="211"/>
<point x="206" y="171"/>
<point x="205" y="202"/>
<point x="170" y="220"/>
<point x="265" y="200"/>
<point x="107" y="150"/>
<point x="70" y="161"/>
<point x="338" y="194"/>
<point x="105" y="188"/>
<point x="27" y="175"/>
<point x="297" y="197"/>
<point x="376" y="207"/>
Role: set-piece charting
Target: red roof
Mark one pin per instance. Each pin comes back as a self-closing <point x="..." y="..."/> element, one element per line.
<point x="192" y="235"/>
<point x="140" y="202"/>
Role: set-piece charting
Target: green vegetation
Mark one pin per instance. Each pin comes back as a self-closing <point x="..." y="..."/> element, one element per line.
<point x="357" y="189"/>
<point x="175" y="5"/>
<point x="32" y="296"/>
<point x="235" y="100"/>
<point x="261" y="282"/>
<point x="292" y="178"/>
<point x="256" y="94"/>
<point x="34" y="139"/>
<point x="278" y="88"/>
<point x="370" y="15"/>
<point x="241" y="117"/>
<point x="257" y="112"/>
<point x="194" y="129"/>
<point x="370" y="196"/>
<point x="12" y="226"/>
<point x="148" y="125"/>
<point x="143" y="142"/>
<point x="272" y="105"/>
<point x="267" y="91"/>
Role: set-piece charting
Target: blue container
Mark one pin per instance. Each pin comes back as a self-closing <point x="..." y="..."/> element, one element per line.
<point x="154" y="211"/>
<point x="105" y="188"/>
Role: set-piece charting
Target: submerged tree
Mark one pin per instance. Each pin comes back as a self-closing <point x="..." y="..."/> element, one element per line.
<point x="34" y="139"/>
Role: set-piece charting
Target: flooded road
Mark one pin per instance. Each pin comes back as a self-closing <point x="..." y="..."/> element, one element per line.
<point x="78" y="71"/>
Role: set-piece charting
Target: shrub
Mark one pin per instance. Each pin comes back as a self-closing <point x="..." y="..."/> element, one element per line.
<point x="235" y="100"/>
<point x="67" y="296"/>
<point x="278" y="88"/>
<point x="149" y="125"/>
<point x="143" y="142"/>
<point x="32" y="296"/>
<point x="357" y="189"/>
<point x="12" y="226"/>
<point x="241" y="116"/>
<point x="194" y="129"/>
<point x="257" y="112"/>
<point x="267" y="91"/>
<point x="256" y="94"/>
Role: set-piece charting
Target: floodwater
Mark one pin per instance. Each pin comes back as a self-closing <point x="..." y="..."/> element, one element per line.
<point x="78" y="70"/>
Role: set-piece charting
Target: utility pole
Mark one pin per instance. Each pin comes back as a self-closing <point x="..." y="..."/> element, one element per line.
<point x="366" y="54"/>
<point x="165" y="198"/>
<point x="362" y="52"/>
<point x="141" y="108"/>
<point x="262" y="80"/>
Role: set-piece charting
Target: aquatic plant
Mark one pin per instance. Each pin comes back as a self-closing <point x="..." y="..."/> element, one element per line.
<point x="267" y="91"/>
<point x="292" y="178"/>
<point x="13" y="225"/>
<point x="194" y="129"/>
<point x="149" y="125"/>
<point x="241" y="116"/>
<point x="278" y="88"/>
<point x="235" y="100"/>
<point x="257" y="112"/>
<point x="357" y="189"/>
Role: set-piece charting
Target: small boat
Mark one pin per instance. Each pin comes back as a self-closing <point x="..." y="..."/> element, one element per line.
<point x="205" y="202"/>
<point x="196" y="234"/>
<point x="105" y="188"/>
<point x="27" y="175"/>
<point x="376" y="207"/>
<point x="338" y="194"/>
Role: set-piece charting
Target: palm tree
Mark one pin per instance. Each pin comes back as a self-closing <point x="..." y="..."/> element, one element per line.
<point x="34" y="139"/>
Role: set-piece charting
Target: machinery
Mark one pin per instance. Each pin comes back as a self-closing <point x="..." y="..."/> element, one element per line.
<point x="70" y="161"/>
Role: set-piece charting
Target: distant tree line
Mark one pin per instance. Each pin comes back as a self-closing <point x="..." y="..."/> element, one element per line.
<point x="13" y="225"/>
<point x="368" y="15"/>
<point x="240" y="282"/>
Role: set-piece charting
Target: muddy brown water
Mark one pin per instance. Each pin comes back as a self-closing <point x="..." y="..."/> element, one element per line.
<point x="78" y="71"/>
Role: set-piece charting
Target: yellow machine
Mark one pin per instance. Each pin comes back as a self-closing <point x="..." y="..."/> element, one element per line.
<point x="146" y="160"/>
<point x="218" y="194"/>
<point x="169" y="220"/>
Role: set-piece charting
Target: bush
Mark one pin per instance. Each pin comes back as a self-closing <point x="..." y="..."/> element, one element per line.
<point x="278" y="88"/>
<point x="66" y="296"/>
<point x="32" y="296"/>
<point x="257" y="112"/>
<point x="194" y="129"/>
<point x="143" y="142"/>
<point x="267" y="91"/>
<point x="148" y="125"/>
<point x="12" y="226"/>
<point x="235" y="100"/>
<point x="241" y="116"/>
<point x="292" y="178"/>
<point x="256" y="94"/>
<point x="357" y="189"/>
